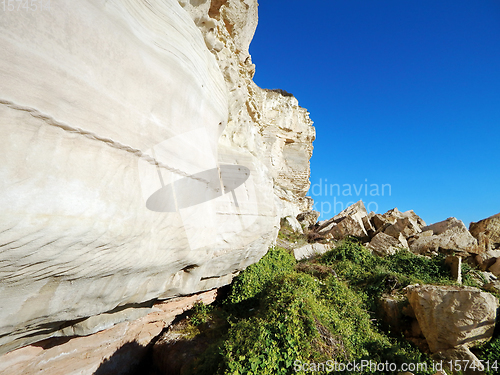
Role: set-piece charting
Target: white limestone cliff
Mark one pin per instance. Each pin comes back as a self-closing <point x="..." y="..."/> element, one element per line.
<point x="104" y="102"/>
<point x="268" y="123"/>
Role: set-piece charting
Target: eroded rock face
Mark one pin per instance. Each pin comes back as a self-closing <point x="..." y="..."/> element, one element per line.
<point x="111" y="351"/>
<point x="95" y="120"/>
<point x="268" y="123"/>
<point x="406" y="226"/>
<point x="308" y="219"/>
<point x="453" y="316"/>
<point x="294" y="224"/>
<point x="450" y="234"/>
<point x="349" y="222"/>
<point x="383" y="244"/>
<point x="487" y="232"/>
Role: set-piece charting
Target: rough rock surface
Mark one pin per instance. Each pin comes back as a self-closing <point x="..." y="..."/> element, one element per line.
<point x="383" y="244"/>
<point x="460" y="356"/>
<point x="349" y="222"/>
<point x="112" y="351"/>
<point x="390" y="310"/>
<point x="356" y="211"/>
<point x="97" y="119"/>
<point x="283" y="137"/>
<point x="409" y="231"/>
<point x="287" y="136"/>
<point x="349" y="226"/>
<point x="370" y="229"/>
<point x="384" y="234"/>
<point x="489" y="228"/>
<point x="382" y="222"/>
<point x="406" y="226"/>
<point x="487" y="259"/>
<point x="310" y="250"/>
<point x="415" y="237"/>
<point x="308" y="219"/>
<point x="450" y="234"/>
<point x="453" y="316"/>
<point x="495" y="267"/>
<point x="294" y="224"/>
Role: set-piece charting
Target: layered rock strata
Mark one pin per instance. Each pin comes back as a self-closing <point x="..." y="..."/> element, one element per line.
<point x="105" y="104"/>
<point x="283" y="136"/>
<point x="112" y="351"/>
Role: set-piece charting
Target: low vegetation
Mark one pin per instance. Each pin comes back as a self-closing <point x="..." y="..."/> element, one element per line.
<point x="281" y="313"/>
<point x="287" y="233"/>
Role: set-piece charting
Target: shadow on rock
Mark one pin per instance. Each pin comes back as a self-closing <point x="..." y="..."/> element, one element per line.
<point x="124" y="361"/>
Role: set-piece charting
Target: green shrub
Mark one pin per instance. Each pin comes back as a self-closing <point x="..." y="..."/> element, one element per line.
<point x="279" y="334"/>
<point x="375" y="275"/>
<point x="349" y="250"/>
<point x="287" y="233"/>
<point x="254" y="279"/>
<point x="344" y="313"/>
<point x="470" y="276"/>
<point x="419" y="268"/>
<point x="200" y="313"/>
<point x="490" y="351"/>
<point x="312" y="311"/>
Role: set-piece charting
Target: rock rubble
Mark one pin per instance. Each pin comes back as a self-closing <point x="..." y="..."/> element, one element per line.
<point x="384" y="233"/>
<point x="447" y="320"/>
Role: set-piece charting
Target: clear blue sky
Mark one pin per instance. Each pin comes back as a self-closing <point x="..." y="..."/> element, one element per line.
<point x="402" y="92"/>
